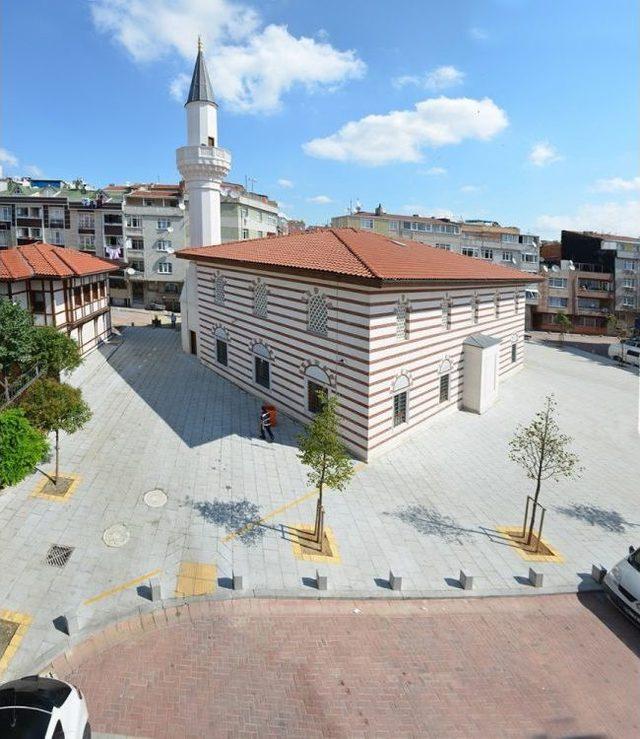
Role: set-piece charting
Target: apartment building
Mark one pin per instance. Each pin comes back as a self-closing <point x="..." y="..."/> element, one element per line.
<point x="400" y="331"/>
<point x="139" y="225"/>
<point x="589" y="277"/>
<point x="61" y="287"/>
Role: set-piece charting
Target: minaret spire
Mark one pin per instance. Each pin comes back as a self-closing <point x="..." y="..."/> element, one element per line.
<point x="201" y="89"/>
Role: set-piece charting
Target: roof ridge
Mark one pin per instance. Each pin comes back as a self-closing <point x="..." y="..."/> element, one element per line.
<point x="351" y="251"/>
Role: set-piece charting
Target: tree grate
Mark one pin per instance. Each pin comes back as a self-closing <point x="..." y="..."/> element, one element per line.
<point x="58" y="556"/>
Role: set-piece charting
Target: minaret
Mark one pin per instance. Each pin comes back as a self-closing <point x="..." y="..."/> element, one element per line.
<point x="202" y="164"/>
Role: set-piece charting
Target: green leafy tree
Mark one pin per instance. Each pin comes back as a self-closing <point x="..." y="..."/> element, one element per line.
<point x="54" y="352"/>
<point x="54" y="406"/>
<point x="541" y="450"/>
<point x="21" y="447"/>
<point x="321" y="449"/>
<point x="617" y="327"/>
<point x="563" y="322"/>
<point x="16" y="337"/>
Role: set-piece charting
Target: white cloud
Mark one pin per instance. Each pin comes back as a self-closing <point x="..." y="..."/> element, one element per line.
<point x="543" y="153"/>
<point x="436" y="80"/>
<point x="617" y="184"/>
<point x="478" y="34"/>
<point x="6" y="157"/>
<point x="617" y="218"/>
<point x="435" y="171"/>
<point x="33" y="170"/>
<point x="252" y="65"/>
<point x="319" y="199"/>
<point x="285" y="183"/>
<point x="470" y="188"/>
<point x="400" y="136"/>
<point x="426" y="210"/>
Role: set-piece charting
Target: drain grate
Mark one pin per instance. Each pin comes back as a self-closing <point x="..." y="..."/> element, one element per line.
<point x="58" y="556"/>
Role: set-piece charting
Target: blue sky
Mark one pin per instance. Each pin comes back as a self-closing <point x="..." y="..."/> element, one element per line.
<point x="521" y="111"/>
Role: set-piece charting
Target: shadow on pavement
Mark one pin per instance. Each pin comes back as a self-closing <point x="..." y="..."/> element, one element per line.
<point x="616" y="622"/>
<point x="194" y="401"/>
<point x="609" y="520"/>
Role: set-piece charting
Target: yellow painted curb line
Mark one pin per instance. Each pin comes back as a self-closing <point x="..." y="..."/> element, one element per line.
<point x="24" y="621"/>
<point x="119" y="588"/>
<point x="235" y="534"/>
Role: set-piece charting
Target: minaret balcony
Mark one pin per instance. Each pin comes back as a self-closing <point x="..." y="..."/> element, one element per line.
<point x="203" y="162"/>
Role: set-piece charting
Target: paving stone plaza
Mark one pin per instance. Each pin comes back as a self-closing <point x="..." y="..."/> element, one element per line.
<point x="174" y="486"/>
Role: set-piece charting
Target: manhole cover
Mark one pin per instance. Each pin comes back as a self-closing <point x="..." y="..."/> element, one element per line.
<point x="116" y="535"/>
<point x="58" y="556"/>
<point x="155" y="498"/>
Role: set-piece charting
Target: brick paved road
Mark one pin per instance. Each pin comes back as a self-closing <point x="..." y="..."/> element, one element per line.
<point x="549" y="666"/>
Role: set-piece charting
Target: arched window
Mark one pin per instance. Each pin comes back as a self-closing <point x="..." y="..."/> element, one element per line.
<point x="402" y="328"/>
<point x="400" y="399"/>
<point x="218" y="289"/>
<point x="260" y="303"/>
<point x="317" y="314"/>
<point x="318" y="384"/>
<point x="222" y="345"/>
<point x="262" y="365"/>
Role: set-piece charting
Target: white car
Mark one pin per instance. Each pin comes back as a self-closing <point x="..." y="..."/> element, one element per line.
<point x="622" y="585"/>
<point x="626" y="351"/>
<point x="35" y="707"/>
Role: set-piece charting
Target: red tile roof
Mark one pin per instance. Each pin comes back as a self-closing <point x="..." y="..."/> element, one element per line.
<point x="356" y="253"/>
<point x="46" y="260"/>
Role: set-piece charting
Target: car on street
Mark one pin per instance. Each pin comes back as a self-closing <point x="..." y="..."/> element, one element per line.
<point x="626" y="351"/>
<point x="35" y="707"/>
<point x="622" y="585"/>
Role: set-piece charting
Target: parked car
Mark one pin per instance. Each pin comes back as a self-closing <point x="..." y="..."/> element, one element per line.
<point x="622" y="585"/>
<point x="35" y="707"/>
<point x="154" y="306"/>
<point x="626" y="351"/>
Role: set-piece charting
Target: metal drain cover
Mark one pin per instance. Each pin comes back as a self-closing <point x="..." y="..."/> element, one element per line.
<point x="155" y="498"/>
<point x="58" y="556"/>
<point x="116" y="535"/>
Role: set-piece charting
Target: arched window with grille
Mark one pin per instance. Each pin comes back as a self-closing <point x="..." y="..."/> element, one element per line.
<point x="218" y="289"/>
<point x="402" y="324"/>
<point x="317" y="313"/>
<point x="260" y="299"/>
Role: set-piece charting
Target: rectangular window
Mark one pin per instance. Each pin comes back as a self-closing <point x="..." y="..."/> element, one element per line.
<point x="57" y="237"/>
<point x="444" y="388"/>
<point x="35" y="233"/>
<point x="22" y="212"/>
<point x="393" y="225"/>
<point x="314" y="393"/>
<point x="487" y="253"/>
<point x="113" y="219"/>
<point x="557" y="302"/>
<point x="137" y="244"/>
<point x="5" y="213"/>
<point x="406" y="225"/>
<point x="22" y="232"/>
<point x="77" y="296"/>
<point x="56" y="217"/>
<point x="628" y="301"/>
<point x="86" y="293"/>
<point x="557" y="282"/>
<point x="94" y="289"/>
<point x="4" y="238"/>
<point x="86" y="220"/>
<point x="514" y="353"/>
<point x="399" y="409"/>
<point x="506" y="256"/>
<point x="102" y="288"/>
<point x="134" y="221"/>
<point x="629" y="265"/>
<point x="511" y="238"/>
<point x="87" y="242"/>
<point x="245" y="233"/>
<point x="37" y="302"/>
<point x="467" y="251"/>
<point x="163" y="245"/>
<point x="262" y="372"/>
<point x="628" y="282"/>
<point x="530" y="258"/>
<point x="366" y="223"/>
<point x="165" y="268"/>
<point x="163" y="224"/>
<point x="221" y="352"/>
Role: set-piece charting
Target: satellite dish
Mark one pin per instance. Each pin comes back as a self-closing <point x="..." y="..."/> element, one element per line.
<point x="127" y="243"/>
<point x="555" y="268"/>
<point x="130" y="271"/>
<point x="545" y="268"/>
<point x="170" y="229"/>
<point x="513" y="260"/>
<point x="171" y="251"/>
<point x="572" y="266"/>
<point x="181" y="205"/>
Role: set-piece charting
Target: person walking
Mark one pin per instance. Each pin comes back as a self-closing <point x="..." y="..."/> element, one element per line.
<point x="265" y="424"/>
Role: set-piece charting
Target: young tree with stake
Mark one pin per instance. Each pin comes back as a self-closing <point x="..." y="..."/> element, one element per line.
<point x="321" y="449"/>
<point x="53" y="406"/>
<point x="541" y="450"/>
<point x="563" y="323"/>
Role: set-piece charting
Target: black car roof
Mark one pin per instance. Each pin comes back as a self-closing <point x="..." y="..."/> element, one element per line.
<point x="35" y="692"/>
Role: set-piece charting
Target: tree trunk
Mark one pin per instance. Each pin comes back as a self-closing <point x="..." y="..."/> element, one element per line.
<point x="539" y="480"/>
<point x="57" y="457"/>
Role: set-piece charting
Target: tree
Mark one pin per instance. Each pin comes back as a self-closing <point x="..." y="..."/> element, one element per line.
<point x="541" y="450"/>
<point x="321" y="449"/>
<point x="617" y="327"/>
<point x="54" y="352"/>
<point x="54" y="406"/>
<point x="16" y="337"/>
<point x="564" y="324"/>
<point x="21" y="447"/>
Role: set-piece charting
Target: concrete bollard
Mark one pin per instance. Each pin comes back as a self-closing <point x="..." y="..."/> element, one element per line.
<point x="237" y="581"/>
<point x="155" y="590"/>
<point x="321" y="581"/>
<point x="535" y="578"/>
<point x="395" y="582"/>
<point x="466" y="581"/>
<point x="598" y="573"/>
